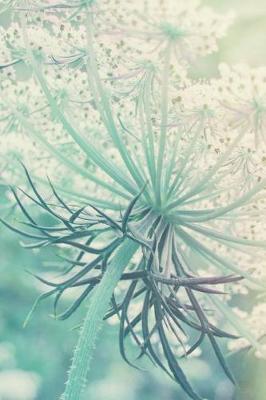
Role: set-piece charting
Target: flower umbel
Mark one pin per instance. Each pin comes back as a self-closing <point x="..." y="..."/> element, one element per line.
<point x="156" y="197"/>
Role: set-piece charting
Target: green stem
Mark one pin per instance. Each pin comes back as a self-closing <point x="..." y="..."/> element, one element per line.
<point x="209" y="178"/>
<point x="87" y="147"/>
<point x="147" y="102"/>
<point x="93" y="322"/>
<point x="73" y="166"/>
<point x="107" y="112"/>
<point x="164" y="119"/>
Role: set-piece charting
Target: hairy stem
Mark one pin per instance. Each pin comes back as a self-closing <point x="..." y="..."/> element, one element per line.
<point x="93" y="322"/>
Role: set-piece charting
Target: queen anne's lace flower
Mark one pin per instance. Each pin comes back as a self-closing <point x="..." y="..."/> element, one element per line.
<point x="97" y="95"/>
<point x="242" y="93"/>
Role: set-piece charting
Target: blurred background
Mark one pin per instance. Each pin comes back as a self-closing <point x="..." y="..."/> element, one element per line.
<point x="34" y="361"/>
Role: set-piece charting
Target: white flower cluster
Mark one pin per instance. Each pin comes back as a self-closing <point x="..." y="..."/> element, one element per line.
<point x="255" y="325"/>
<point x="52" y="99"/>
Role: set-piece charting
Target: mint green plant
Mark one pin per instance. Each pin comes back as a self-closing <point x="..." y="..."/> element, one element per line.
<point x="152" y="175"/>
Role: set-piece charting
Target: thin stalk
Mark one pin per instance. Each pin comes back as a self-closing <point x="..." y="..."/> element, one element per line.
<point x="147" y="112"/>
<point x="164" y="119"/>
<point x="61" y="157"/>
<point x="108" y="116"/>
<point x="207" y="215"/>
<point x="145" y="147"/>
<point x="209" y="178"/>
<point x="91" y="151"/>
<point x="170" y="168"/>
<point x="93" y="322"/>
<point x="178" y="180"/>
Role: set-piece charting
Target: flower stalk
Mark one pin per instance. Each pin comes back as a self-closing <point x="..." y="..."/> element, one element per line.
<point x="93" y="322"/>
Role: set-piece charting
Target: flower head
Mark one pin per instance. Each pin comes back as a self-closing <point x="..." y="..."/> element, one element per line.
<point x="137" y="153"/>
